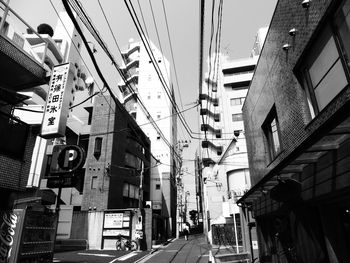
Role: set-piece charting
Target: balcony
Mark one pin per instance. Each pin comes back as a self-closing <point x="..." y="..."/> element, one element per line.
<point x="238" y="80"/>
<point x="207" y="127"/>
<point x="215" y="116"/>
<point x="209" y="144"/>
<point x="127" y="53"/>
<point x="52" y="56"/>
<point x="215" y="101"/>
<point x="16" y="54"/>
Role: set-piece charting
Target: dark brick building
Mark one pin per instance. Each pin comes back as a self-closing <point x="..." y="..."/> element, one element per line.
<point x="118" y="153"/>
<point x="297" y="128"/>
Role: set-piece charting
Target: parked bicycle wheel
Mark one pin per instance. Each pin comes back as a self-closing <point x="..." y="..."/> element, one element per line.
<point x="122" y="245"/>
<point x="118" y="245"/>
<point x="133" y="245"/>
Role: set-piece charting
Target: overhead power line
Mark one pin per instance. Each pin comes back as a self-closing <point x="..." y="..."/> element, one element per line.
<point x="78" y="8"/>
<point x="76" y="25"/>
<point x="148" y="48"/>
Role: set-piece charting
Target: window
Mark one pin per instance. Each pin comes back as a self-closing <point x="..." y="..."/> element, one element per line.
<point x="130" y="191"/>
<point x="237" y="117"/>
<point x="149" y="95"/>
<point x="158" y="94"/>
<point x="236" y="101"/>
<point x="271" y="131"/>
<point x="159" y="115"/>
<point x="132" y="161"/>
<point x="126" y="190"/>
<point x="157" y="186"/>
<point x="324" y="71"/>
<point x="98" y="147"/>
<point x="94" y="182"/>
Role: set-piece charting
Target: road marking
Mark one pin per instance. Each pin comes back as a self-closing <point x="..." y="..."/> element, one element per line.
<point x="125" y="257"/>
<point x="96" y="255"/>
<point x="56" y="260"/>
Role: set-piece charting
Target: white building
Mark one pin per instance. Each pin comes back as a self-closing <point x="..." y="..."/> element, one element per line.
<point x="224" y="153"/>
<point x="143" y="78"/>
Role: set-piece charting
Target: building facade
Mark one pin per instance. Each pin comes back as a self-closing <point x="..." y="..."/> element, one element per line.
<point x="63" y="46"/>
<point x="159" y="124"/>
<point x="296" y="123"/>
<point x="226" y="172"/>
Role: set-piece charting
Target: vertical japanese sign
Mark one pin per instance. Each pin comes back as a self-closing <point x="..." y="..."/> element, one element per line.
<point x="57" y="103"/>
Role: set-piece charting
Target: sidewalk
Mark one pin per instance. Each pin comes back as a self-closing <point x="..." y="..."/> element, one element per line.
<point x="196" y="250"/>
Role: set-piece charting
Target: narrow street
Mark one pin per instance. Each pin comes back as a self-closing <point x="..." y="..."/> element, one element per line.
<point x="195" y="250"/>
<point x="99" y="256"/>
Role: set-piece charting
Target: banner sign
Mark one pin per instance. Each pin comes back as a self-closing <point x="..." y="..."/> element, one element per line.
<point x="57" y="103"/>
<point x="113" y="220"/>
<point x="7" y="232"/>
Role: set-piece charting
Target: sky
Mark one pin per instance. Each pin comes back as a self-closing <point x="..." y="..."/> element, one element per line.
<point x="240" y="22"/>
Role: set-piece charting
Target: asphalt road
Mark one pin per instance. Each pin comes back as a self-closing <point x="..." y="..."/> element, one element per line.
<point x="195" y="250"/>
<point x="99" y="256"/>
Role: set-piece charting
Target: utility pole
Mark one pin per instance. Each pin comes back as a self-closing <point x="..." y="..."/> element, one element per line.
<point x="179" y="147"/>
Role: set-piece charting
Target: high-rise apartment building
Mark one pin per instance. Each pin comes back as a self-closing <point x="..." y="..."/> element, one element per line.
<point x="224" y="153"/>
<point x="159" y="124"/>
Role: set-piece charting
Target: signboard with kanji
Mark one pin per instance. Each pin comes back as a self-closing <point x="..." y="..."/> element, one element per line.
<point x="57" y="103"/>
<point x="113" y="220"/>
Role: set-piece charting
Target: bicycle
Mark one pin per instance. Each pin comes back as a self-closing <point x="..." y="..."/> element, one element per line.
<point x="123" y="243"/>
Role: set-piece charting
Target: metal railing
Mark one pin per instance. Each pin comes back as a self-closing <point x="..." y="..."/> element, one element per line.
<point x="5" y="15"/>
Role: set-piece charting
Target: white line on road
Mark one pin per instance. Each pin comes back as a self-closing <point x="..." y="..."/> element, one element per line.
<point x="125" y="257"/>
<point x="96" y="255"/>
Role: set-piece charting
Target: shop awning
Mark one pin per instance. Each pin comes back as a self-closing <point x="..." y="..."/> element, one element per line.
<point x="327" y="137"/>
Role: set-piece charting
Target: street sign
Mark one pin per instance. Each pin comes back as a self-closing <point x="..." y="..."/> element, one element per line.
<point x="60" y="182"/>
<point x="57" y="103"/>
<point x="66" y="159"/>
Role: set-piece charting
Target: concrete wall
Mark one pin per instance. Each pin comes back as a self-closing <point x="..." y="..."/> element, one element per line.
<point x="95" y="224"/>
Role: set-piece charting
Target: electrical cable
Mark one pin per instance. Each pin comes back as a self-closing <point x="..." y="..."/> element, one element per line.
<point x="139" y="29"/>
<point x="69" y="12"/>
<point x="82" y="14"/>
<point x="109" y="26"/>
<point x="160" y="45"/>
<point x="143" y="19"/>
<point x="76" y="48"/>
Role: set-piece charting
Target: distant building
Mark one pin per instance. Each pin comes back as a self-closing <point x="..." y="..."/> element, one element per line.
<point x="224" y="154"/>
<point x="296" y="117"/>
<point x="160" y="127"/>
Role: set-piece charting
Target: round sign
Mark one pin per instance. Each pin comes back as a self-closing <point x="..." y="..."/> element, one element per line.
<point x="71" y="158"/>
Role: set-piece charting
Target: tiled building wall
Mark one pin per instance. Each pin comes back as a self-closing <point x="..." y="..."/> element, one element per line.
<point x="274" y="83"/>
<point x="14" y="172"/>
<point x="102" y="122"/>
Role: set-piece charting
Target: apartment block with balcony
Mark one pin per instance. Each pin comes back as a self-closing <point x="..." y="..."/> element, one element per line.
<point x="226" y="176"/>
<point x="142" y="81"/>
<point x="297" y="128"/>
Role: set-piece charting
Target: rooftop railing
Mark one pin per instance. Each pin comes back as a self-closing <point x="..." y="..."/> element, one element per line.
<point x="9" y="22"/>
